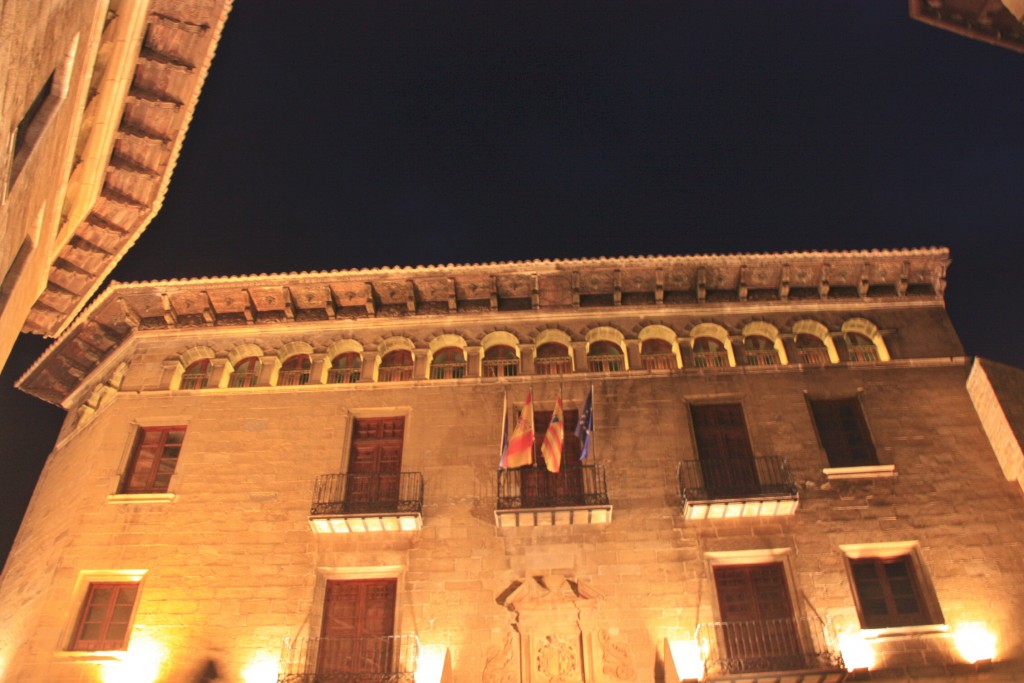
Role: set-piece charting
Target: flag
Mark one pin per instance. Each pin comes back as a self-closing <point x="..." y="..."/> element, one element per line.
<point x="585" y="426"/>
<point x="551" y="449"/>
<point x="504" y="430"/>
<point x="519" y="450"/>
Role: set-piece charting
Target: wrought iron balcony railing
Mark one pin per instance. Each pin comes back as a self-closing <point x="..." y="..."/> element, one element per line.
<point x="609" y="363"/>
<point x="711" y="359"/>
<point x="557" y="365"/>
<point x="500" y="367"/>
<point x="742" y="477"/>
<point x="342" y="375"/>
<point x="658" y="361"/>
<point x="292" y="378"/>
<point x="777" y="645"/>
<point x="535" y="487"/>
<point x="379" y="659"/>
<point x="397" y="373"/>
<point x="361" y="494"/>
<point x="194" y="381"/>
<point x="813" y="355"/>
<point x="762" y="357"/>
<point x="862" y="354"/>
<point x="448" y="370"/>
<point x="239" y="380"/>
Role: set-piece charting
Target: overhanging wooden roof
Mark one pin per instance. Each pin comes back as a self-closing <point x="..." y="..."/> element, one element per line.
<point x="124" y="309"/>
<point x="984" y="20"/>
<point x="173" y="61"/>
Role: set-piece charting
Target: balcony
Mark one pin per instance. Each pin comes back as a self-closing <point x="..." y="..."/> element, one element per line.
<point x="813" y="355"/>
<point x="448" y="370"/>
<point x="737" y="487"/>
<point x="761" y="357"/>
<point x="343" y="375"/>
<point x="357" y="503"/>
<point x="292" y="378"/>
<point x="380" y="659"/>
<point x="711" y="359"/>
<point x="658" y="361"/>
<point x="396" y="373"/>
<point x="605" y="363"/>
<point x="796" y="650"/>
<point x="500" y="367"/>
<point x="554" y="365"/>
<point x="532" y="496"/>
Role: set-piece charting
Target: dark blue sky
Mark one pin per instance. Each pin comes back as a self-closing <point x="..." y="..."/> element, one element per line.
<point x="348" y="134"/>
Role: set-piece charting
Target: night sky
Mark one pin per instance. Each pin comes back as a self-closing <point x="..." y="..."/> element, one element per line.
<point x="334" y="135"/>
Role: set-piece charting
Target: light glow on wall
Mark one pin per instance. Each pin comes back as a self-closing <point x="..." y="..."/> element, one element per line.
<point x="687" y="659"/>
<point x="140" y="664"/>
<point x="975" y="642"/>
<point x="857" y="652"/>
<point x="262" y="669"/>
<point x="432" y="664"/>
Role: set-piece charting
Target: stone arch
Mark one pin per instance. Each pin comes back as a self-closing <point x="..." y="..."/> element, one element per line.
<point x="500" y="338"/>
<point x="341" y="346"/>
<point x="870" y="330"/>
<point x="819" y="330"/>
<point x="294" y="348"/>
<point x="187" y="359"/>
<point x="609" y="334"/>
<point x="444" y="341"/>
<point x="760" y="328"/>
<point x="717" y="332"/>
<point x="665" y="334"/>
<point x="387" y="346"/>
<point x="555" y="335"/>
<point x="243" y="351"/>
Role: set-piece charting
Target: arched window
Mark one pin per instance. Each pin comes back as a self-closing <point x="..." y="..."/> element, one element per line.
<point x="345" y="368"/>
<point x="657" y="354"/>
<point x="448" y="363"/>
<point x="811" y="350"/>
<point x="862" y="349"/>
<point x="500" y="361"/>
<point x="760" y="350"/>
<point x="708" y="352"/>
<point x="605" y="356"/>
<point x="396" y="366"/>
<point x="294" y="371"/>
<point x="196" y="375"/>
<point x="246" y="373"/>
<point x="553" y="359"/>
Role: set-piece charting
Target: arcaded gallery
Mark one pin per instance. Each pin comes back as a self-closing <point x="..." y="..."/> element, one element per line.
<point x="722" y="468"/>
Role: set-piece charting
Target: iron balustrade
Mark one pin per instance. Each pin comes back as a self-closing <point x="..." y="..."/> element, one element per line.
<point x="790" y="644"/>
<point x="535" y="487"/>
<point x="711" y="359"/>
<point x="813" y="355"/>
<point x="292" y="378"/>
<point x="555" y="365"/>
<point x="741" y="477"/>
<point x="500" y="367"/>
<point x="194" y="381"/>
<point x="354" y="494"/>
<point x="375" y="659"/>
<point x="658" y="361"/>
<point x="243" y="379"/>
<point x="762" y="357"/>
<point x="609" y="363"/>
<point x="448" y="370"/>
<point x="862" y="353"/>
<point x="396" y="373"/>
<point x="342" y="375"/>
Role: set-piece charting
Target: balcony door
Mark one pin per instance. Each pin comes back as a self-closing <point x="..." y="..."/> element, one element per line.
<point x="359" y="618"/>
<point x="757" y="630"/>
<point x="726" y="460"/>
<point x="375" y="465"/>
<point x="541" y="488"/>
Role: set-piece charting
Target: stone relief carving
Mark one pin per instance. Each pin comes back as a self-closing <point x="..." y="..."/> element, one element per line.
<point x="615" y="658"/>
<point x="500" y="666"/>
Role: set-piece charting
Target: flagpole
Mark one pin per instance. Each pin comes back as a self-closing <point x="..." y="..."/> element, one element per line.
<point x="593" y="408"/>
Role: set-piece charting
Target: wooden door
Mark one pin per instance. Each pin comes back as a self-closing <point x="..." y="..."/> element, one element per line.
<point x="375" y="465"/>
<point x="726" y="460"/>
<point x="758" y="632"/>
<point x="540" y="488"/>
<point x="358" y="620"/>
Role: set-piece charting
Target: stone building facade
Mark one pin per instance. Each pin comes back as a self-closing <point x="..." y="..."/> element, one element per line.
<point x="296" y="478"/>
<point x="95" y="100"/>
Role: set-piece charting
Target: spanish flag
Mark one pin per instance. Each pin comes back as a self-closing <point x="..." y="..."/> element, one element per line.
<point x="551" y="449"/>
<point x="519" y="451"/>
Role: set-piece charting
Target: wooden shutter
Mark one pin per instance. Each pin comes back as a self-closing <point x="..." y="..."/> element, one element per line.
<point x="540" y="488"/>
<point x="358" y="617"/>
<point x="758" y="632"/>
<point x="375" y="464"/>
<point x="723" y="446"/>
<point x="843" y="432"/>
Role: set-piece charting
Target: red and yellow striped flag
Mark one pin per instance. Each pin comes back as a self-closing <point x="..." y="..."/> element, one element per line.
<point x="551" y="449"/>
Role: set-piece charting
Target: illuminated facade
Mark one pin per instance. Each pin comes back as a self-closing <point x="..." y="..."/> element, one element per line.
<point x="295" y="478"/>
<point x="96" y="98"/>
